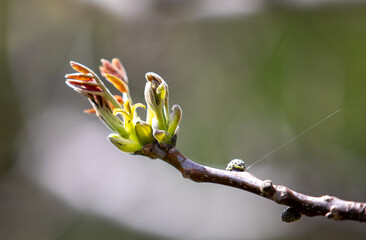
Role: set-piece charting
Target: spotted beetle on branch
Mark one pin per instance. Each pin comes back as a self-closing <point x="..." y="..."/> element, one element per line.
<point x="236" y="165"/>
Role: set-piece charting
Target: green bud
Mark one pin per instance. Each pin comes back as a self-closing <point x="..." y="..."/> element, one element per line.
<point x="162" y="136"/>
<point x="144" y="133"/>
<point x="175" y="118"/>
<point x="123" y="144"/>
<point x="161" y="93"/>
<point x="156" y="91"/>
<point x="151" y="99"/>
<point x="156" y="97"/>
<point x="154" y="78"/>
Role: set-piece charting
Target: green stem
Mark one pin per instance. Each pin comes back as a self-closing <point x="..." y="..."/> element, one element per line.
<point x="160" y="118"/>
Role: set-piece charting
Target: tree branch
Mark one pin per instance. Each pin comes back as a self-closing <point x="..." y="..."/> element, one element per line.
<point x="299" y="204"/>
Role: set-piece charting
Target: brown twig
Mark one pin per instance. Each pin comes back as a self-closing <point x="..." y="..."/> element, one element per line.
<point x="299" y="204"/>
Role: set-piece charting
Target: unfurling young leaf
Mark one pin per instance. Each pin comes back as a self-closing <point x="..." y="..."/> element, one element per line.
<point x="123" y="144"/>
<point x="130" y="134"/>
<point x="175" y="118"/>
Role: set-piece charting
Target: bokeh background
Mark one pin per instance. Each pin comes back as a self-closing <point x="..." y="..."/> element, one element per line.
<point x="250" y="75"/>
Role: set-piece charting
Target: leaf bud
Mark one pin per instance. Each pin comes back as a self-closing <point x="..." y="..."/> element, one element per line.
<point x="144" y="133"/>
<point x="123" y="144"/>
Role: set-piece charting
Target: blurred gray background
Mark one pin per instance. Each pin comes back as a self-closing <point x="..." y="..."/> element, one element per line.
<point x="249" y="75"/>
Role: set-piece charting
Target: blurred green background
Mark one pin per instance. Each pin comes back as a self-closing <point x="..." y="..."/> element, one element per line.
<point x="249" y="75"/>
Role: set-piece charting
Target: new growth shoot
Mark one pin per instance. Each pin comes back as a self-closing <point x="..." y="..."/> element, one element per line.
<point x="118" y="112"/>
